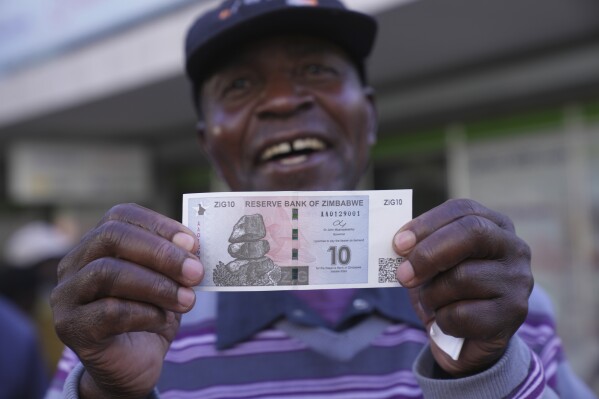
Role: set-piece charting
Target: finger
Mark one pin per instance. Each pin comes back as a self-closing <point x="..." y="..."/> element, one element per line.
<point x="482" y="319"/>
<point x="465" y="238"/>
<point x="90" y="325"/>
<point x="122" y="240"/>
<point x="152" y="221"/>
<point x="474" y="279"/>
<point x="111" y="277"/>
<point x="423" y="226"/>
<point x="425" y="315"/>
<point x="91" y="247"/>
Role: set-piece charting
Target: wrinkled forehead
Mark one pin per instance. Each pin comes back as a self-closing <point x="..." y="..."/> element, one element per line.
<point x="290" y="46"/>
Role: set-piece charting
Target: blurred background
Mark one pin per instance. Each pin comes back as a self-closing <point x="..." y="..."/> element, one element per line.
<point x="493" y="100"/>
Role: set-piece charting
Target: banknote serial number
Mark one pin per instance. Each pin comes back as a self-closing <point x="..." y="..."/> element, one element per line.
<point x="338" y="214"/>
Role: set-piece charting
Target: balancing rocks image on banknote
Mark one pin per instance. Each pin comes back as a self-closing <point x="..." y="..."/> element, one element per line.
<point x="297" y="240"/>
<point x="251" y="266"/>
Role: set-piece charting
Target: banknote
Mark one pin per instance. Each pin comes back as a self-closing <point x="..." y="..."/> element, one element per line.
<point x="252" y="241"/>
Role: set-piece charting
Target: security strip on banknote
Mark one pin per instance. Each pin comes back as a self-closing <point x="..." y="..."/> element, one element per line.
<point x="265" y="241"/>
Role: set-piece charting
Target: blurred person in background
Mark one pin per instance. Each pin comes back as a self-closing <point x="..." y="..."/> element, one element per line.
<point x="23" y="372"/>
<point x="267" y="75"/>
<point x="31" y="255"/>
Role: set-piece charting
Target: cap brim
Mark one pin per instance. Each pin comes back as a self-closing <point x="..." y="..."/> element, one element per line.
<point x="352" y="31"/>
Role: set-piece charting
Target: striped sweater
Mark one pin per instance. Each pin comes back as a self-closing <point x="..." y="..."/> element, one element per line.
<point x="273" y="346"/>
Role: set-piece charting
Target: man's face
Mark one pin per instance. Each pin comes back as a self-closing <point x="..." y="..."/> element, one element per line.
<point x="288" y="113"/>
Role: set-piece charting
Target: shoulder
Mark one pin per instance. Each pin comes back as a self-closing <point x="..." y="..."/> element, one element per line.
<point x="540" y="303"/>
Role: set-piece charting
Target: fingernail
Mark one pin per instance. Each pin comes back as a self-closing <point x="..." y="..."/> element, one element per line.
<point x="185" y="296"/>
<point x="184" y="241"/>
<point x="192" y="270"/>
<point x="405" y="272"/>
<point x="404" y="241"/>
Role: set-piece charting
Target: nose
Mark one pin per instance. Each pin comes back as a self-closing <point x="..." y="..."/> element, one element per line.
<point x="283" y="97"/>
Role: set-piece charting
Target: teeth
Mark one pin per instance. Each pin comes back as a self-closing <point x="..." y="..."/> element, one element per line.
<point x="308" y="144"/>
<point x="294" y="160"/>
<point x="297" y="145"/>
<point x="279" y="149"/>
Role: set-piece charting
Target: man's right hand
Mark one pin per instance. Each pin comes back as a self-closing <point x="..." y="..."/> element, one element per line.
<point x="120" y="296"/>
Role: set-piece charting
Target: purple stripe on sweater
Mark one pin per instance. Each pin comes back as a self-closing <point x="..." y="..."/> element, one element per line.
<point x="210" y="339"/>
<point x="202" y="347"/>
<point x="271" y="341"/>
<point x="533" y="385"/>
<point x="551" y="352"/>
<point x="402" y="380"/>
<point x="207" y="326"/>
<point x="536" y="334"/>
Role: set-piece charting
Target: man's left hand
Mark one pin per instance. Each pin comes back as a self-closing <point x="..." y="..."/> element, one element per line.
<point x="466" y="268"/>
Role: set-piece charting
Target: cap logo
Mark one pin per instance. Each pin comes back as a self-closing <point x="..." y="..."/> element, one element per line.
<point x="225" y="13"/>
<point x="302" y="2"/>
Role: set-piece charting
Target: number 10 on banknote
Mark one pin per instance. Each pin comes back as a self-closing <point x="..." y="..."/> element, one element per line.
<point x="258" y="241"/>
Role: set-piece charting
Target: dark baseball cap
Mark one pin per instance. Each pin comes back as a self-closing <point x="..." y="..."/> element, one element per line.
<point x="219" y="32"/>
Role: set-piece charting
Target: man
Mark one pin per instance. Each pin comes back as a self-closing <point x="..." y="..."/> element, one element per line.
<point x="22" y="370"/>
<point x="284" y="105"/>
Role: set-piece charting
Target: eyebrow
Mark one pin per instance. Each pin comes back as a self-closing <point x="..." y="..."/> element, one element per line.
<point x="304" y="49"/>
<point x="295" y="50"/>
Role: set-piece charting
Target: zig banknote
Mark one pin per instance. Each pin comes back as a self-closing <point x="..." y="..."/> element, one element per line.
<point x="297" y="240"/>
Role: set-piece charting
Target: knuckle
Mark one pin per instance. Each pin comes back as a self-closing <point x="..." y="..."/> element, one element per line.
<point x="111" y="312"/>
<point x="63" y="326"/>
<point x="505" y="222"/>
<point x="523" y="251"/>
<point x="119" y="211"/>
<point x="475" y="226"/>
<point x="465" y="206"/>
<point x="56" y="296"/>
<point x="453" y="278"/>
<point x="423" y="255"/>
<point x="513" y="313"/>
<point x="520" y="312"/>
<point x="452" y="319"/>
<point x="101" y="275"/>
<point x="109" y="234"/>
<point x="168" y="253"/>
<point x="162" y="226"/>
<point x="164" y="287"/>
<point x="65" y="265"/>
<point x="67" y="326"/>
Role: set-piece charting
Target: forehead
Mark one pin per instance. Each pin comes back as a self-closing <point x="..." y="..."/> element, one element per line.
<point x="287" y="46"/>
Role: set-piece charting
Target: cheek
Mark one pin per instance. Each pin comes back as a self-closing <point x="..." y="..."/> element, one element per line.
<point x="357" y="120"/>
<point x="225" y="145"/>
<point x="222" y="137"/>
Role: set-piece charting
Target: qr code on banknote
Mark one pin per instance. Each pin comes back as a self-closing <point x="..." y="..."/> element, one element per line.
<point x="387" y="268"/>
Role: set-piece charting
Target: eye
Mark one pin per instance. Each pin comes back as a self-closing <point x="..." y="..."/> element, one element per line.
<point x="237" y="86"/>
<point x="318" y="70"/>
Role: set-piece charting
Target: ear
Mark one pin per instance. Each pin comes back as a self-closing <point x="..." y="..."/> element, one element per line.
<point x="204" y="141"/>
<point x="201" y="132"/>
<point x="373" y="118"/>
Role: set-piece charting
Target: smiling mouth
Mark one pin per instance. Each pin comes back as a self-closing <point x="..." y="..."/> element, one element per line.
<point x="293" y="152"/>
